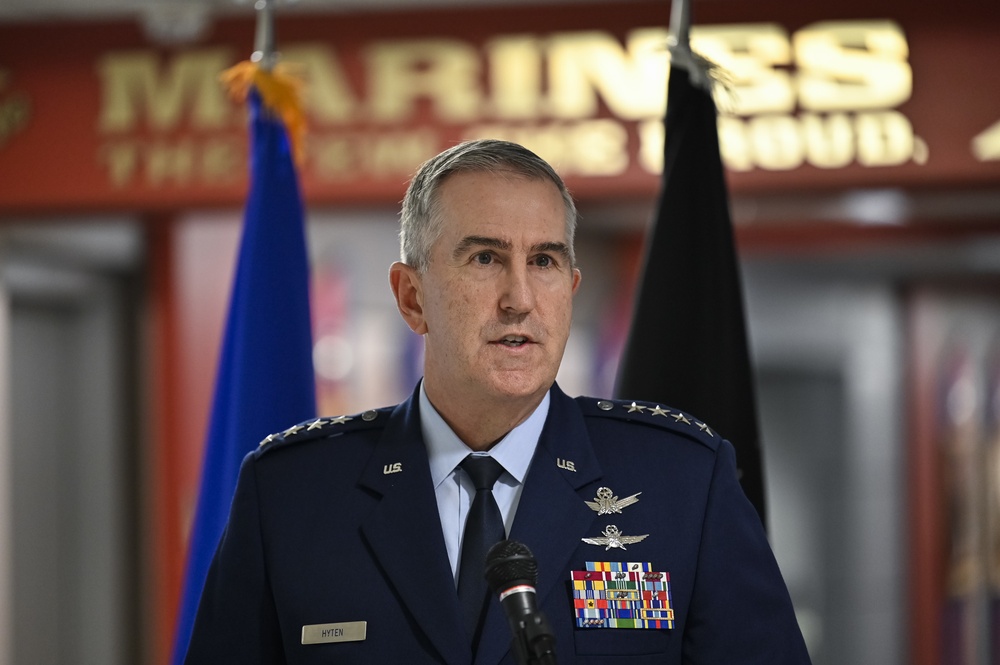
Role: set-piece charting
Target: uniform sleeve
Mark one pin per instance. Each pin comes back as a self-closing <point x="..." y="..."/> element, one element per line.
<point x="236" y="620"/>
<point x="741" y="613"/>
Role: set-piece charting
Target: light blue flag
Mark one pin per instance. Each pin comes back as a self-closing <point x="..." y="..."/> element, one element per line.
<point x="265" y="376"/>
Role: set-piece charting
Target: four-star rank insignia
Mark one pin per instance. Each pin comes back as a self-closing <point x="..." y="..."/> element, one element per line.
<point x="613" y="537"/>
<point x="606" y="503"/>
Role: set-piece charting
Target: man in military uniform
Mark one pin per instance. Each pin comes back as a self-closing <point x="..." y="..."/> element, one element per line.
<point x="348" y="539"/>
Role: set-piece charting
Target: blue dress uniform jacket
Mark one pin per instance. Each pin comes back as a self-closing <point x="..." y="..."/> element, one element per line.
<point x="336" y="521"/>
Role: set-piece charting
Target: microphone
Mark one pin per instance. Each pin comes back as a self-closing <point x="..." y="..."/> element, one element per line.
<point x="512" y="573"/>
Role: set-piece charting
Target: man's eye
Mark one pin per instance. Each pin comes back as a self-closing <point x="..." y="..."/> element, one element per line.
<point x="484" y="258"/>
<point x="543" y="261"/>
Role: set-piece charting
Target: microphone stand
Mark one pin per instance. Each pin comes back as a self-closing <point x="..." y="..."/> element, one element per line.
<point x="534" y="644"/>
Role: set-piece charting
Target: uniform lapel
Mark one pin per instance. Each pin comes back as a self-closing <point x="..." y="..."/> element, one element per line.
<point x="404" y="533"/>
<point x="551" y="515"/>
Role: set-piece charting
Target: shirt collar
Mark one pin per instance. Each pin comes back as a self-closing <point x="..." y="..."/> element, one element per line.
<point x="445" y="450"/>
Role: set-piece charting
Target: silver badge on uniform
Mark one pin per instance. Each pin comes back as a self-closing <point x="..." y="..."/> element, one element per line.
<point x="606" y="503"/>
<point x="613" y="537"/>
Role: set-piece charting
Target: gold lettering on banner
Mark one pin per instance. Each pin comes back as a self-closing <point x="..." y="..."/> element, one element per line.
<point x="986" y="145"/>
<point x="630" y="80"/>
<point x="884" y="138"/>
<point x="829" y="140"/>
<point x="170" y="162"/>
<point x="159" y="162"/>
<point x="750" y="53"/>
<point x="776" y="142"/>
<point x="222" y="160"/>
<point x="337" y="157"/>
<point x="445" y="72"/>
<point x="823" y="96"/>
<point x="122" y="162"/>
<point x="651" y="145"/>
<point x="848" y="75"/>
<point x="852" y="65"/>
<point x="782" y="142"/>
<point x="845" y="65"/>
<point x="328" y="97"/>
<point x="515" y="70"/>
<point x="15" y="110"/>
<point x="586" y="148"/>
<point x="135" y="91"/>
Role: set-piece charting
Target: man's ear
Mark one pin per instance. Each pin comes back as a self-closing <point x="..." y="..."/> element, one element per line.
<point x="406" y="288"/>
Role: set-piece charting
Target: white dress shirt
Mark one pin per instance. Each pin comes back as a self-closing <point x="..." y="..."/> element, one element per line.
<point x="453" y="487"/>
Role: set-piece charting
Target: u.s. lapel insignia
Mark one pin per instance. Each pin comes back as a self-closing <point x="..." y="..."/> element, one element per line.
<point x="566" y="464"/>
<point x="606" y="503"/>
<point x="613" y="538"/>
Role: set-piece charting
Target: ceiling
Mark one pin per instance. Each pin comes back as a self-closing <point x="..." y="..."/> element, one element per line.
<point x="184" y="21"/>
<point x="46" y="10"/>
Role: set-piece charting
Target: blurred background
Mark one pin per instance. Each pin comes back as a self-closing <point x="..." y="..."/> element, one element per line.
<point x="862" y="146"/>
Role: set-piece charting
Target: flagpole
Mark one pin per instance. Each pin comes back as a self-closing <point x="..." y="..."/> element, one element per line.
<point x="680" y="24"/>
<point x="679" y="44"/>
<point x="263" y="45"/>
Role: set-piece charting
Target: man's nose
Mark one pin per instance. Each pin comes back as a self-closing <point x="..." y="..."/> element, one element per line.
<point x="517" y="295"/>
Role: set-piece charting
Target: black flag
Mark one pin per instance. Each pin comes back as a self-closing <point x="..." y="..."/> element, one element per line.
<point x="687" y="346"/>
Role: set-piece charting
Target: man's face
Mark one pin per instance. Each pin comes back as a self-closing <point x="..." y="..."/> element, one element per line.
<point x="495" y="302"/>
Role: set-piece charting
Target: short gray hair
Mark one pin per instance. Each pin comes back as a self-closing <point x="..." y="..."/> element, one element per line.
<point x="420" y="226"/>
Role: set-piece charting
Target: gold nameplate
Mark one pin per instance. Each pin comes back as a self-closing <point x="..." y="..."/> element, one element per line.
<point x="325" y="633"/>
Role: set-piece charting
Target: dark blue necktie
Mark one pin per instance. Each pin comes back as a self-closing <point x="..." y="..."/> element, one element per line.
<point x="483" y="529"/>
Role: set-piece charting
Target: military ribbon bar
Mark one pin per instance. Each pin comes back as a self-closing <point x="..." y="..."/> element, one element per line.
<point x="621" y="594"/>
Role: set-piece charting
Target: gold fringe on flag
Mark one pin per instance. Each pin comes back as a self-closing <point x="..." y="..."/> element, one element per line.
<point x="280" y="92"/>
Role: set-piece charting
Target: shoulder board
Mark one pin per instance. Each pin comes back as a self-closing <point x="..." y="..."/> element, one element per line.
<point x="318" y="428"/>
<point x="651" y="414"/>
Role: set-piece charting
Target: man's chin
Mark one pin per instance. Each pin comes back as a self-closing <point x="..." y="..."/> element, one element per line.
<point x="521" y="388"/>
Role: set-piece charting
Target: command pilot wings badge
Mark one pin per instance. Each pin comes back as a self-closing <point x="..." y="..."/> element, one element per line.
<point x="606" y="503"/>
<point x="613" y="538"/>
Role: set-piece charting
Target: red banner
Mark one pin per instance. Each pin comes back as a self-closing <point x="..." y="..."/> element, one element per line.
<point x="94" y="116"/>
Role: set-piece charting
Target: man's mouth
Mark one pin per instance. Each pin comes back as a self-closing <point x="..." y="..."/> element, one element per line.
<point x="513" y="341"/>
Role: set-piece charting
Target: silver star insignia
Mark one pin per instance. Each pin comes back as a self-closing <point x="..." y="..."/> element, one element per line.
<point x="316" y="424"/>
<point x="340" y="420"/>
<point x="681" y="418"/>
<point x="705" y="428"/>
<point x="636" y="407"/>
<point x="659" y="411"/>
<point x="268" y="439"/>
<point x="291" y="430"/>
<point x="606" y="503"/>
<point x="613" y="538"/>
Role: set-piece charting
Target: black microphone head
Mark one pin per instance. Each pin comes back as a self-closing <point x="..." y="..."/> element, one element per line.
<point x="510" y="563"/>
